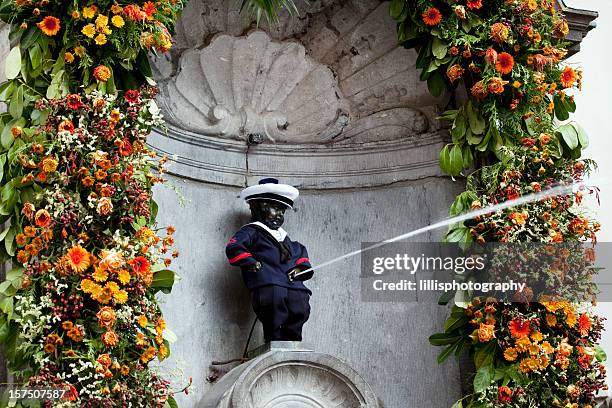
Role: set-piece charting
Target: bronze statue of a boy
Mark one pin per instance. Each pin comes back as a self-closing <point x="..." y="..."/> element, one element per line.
<point x="273" y="266"/>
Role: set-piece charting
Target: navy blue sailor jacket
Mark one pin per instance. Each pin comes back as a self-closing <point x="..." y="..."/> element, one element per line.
<point x="253" y="243"/>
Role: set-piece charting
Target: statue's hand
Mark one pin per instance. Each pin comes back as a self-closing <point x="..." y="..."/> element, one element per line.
<point x="254" y="268"/>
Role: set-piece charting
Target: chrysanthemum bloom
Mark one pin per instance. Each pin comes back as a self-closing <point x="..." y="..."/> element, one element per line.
<point x="561" y="28"/>
<point x="149" y="9"/>
<point x="116" y="9"/>
<point x="148" y="355"/>
<point x="568" y="77"/>
<point x="505" y="63"/>
<point x="134" y="13"/>
<point x="142" y="321"/>
<point x="474" y="4"/>
<point x="496" y="85"/>
<point x="90" y="12"/>
<point x="50" y="25"/>
<point x="69" y="57"/>
<point x="520" y="328"/>
<point x="102" y="73"/>
<point x="504" y="394"/>
<point x="76" y="334"/>
<point x="118" y="21"/>
<point x="140" y="265"/>
<point x="79" y="258"/>
<point x="89" y="31"/>
<point x="132" y="96"/>
<point x="125" y="148"/>
<point x="49" y="164"/>
<point x="499" y="33"/>
<point x="42" y="218"/>
<point x="101" y="39"/>
<point x="105" y="360"/>
<point x="432" y="16"/>
<point x="110" y="338"/>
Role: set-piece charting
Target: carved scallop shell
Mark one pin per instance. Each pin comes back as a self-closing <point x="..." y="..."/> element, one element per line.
<point x="241" y="86"/>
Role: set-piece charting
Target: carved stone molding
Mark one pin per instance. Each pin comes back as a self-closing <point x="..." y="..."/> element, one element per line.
<point x="291" y="379"/>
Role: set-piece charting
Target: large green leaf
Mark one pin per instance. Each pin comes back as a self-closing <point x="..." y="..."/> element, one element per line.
<point x="560" y="109"/>
<point x="443" y="339"/>
<point x="439" y="48"/>
<point x="583" y="139"/>
<point x="7" y="138"/>
<point x="483" y="379"/>
<point x="477" y="122"/>
<point x="436" y="84"/>
<point x="395" y="8"/>
<point x="569" y="135"/>
<point x="456" y="160"/>
<point x="163" y="280"/>
<point x="445" y="159"/>
<point x="13" y="63"/>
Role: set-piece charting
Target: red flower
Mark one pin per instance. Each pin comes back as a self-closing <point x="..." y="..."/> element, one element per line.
<point x="511" y="194"/>
<point x="149" y="8"/>
<point x="125" y="148"/>
<point x="432" y="16"/>
<point x="132" y="96"/>
<point x="50" y="25"/>
<point x="73" y="101"/>
<point x="520" y="328"/>
<point x="505" y="63"/>
<point x="491" y="55"/>
<point x="134" y="13"/>
<point x="140" y="265"/>
<point x="474" y="4"/>
<point x="505" y="394"/>
<point x="528" y="141"/>
<point x="584" y="324"/>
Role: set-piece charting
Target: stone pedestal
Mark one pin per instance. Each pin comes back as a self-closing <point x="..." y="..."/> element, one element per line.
<point x="288" y="375"/>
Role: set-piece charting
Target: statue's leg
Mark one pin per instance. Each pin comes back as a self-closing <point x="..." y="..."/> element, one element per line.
<point x="298" y="303"/>
<point x="270" y="306"/>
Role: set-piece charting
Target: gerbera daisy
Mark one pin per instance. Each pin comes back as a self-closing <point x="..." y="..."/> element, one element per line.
<point x="140" y="265"/>
<point x="568" y="77"/>
<point x="132" y="96"/>
<point x="149" y="8"/>
<point x="519" y="329"/>
<point x="432" y="16"/>
<point x="43" y="219"/>
<point x="584" y="324"/>
<point x="505" y="63"/>
<point x="50" y="25"/>
<point x="79" y="258"/>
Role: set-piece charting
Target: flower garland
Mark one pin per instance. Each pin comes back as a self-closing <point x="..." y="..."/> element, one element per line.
<point x="78" y="309"/>
<point x="508" y="56"/>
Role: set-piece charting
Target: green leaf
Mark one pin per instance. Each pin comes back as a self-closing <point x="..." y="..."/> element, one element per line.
<point x="13" y="63"/>
<point x="457" y="404"/>
<point x="9" y="241"/>
<point x="163" y="280"/>
<point x="443" y="339"/>
<point x="456" y="319"/>
<point x="15" y="273"/>
<point x="477" y="122"/>
<point x="570" y="136"/>
<point x="443" y="356"/>
<point x="435" y="83"/>
<point x="484" y="144"/>
<point x="456" y="160"/>
<point x="16" y="104"/>
<point x="459" y="127"/>
<point x="439" y="48"/>
<point x="35" y="56"/>
<point x="6" y="90"/>
<point x="482" y="379"/>
<point x="445" y="160"/>
<point x="171" y="402"/>
<point x="468" y="157"/>
<point x="560" y="109"/>
<point x="583" y="139"/>
<point x="600" y="354"/>
<point x="395" y="8"/>
<point x="7" y="138"/>
<point x="484" y="355"/>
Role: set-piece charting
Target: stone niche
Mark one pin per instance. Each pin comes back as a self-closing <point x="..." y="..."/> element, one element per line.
<point x="339" y="111"/>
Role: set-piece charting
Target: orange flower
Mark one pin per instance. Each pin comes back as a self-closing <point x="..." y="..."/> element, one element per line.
<point x="432" y="16"/>
<point x="43" y="219"/>
<point x="106" y="317"/>
<point x="140" y="265"/>
<point x="584" y="324"/>
<point x="486" y="332"/>
<point x="474" y="4"/>
<point x="496" y="85"/>
<point x="148" y="355"/>
<point x="79" y="258"/>
<point x="149" y="9"/>
<point x="102" y="73"/>
<point x="479" y="90"/>
<point x="105" y="206"/>
<point x="76" y="334"/>
<point x="28" y="211"/>
<point x="499" y="32"/>
<point x="105" y="360"/>
<point x="110" y="339"/>
<point x="519" y="329"/>
<point x="505" y="63"/>
<point x="568" y="77"/>
<point x="134" y="13"/>
<point x="454" y="72"/>
<point x="50" y="25"/>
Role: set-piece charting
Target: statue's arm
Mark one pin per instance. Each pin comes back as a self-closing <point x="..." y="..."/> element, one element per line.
<point x="301" y="264"/>
<point x="238" y="251"/>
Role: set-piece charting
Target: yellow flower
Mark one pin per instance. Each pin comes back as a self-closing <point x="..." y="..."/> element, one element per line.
<point x="118" y="21"/>
<point x="89" y="12"/>
<point x="121" y="296"/>
<point x="101" y="21"/>
<point x="69" y="57"/>
<point x="101" y="39"/>
<point x="537" y="336"/>
<point x="510" y="354"/>
<point x="142" y="321"/>
<point x="100" y="275"/>
<point x="124" y="276"/>
<point x="551" y="320"/>
<point x="75" y="14"/>
<point x="89" y="30"/>
<point x="116" y="9"/>
<point x="112" y="286"/>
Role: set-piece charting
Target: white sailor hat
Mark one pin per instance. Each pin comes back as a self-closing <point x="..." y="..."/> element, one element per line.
<point x="270" y="189"/>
